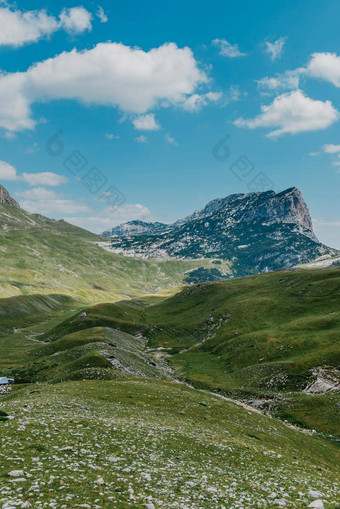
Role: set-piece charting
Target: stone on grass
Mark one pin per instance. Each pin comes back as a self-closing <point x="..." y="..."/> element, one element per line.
<point x="317" y="504"/>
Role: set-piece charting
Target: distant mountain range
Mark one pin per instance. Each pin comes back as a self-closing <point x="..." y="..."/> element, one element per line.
<point x="256" y="232"/>
<point x="231" y="237"/>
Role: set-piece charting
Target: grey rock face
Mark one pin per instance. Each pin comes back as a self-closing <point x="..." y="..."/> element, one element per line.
<point x="257" y="232"/>
<point x="5" y="197"/>
<point x="135" y="228"/>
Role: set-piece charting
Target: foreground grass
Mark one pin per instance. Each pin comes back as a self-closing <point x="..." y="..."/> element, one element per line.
<point x="142" y="443"/>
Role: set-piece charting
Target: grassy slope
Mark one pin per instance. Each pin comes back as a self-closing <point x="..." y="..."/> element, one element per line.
<point x="138" y="442"/>
<point x="99" y="352"/>
<point x="43" y="256"/>
<point x="23" y="319"/>
<point x="254" y="338"/>
<point x="275" y="329"/>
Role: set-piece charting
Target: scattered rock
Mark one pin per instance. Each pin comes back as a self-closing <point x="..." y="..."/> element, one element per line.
<point x="16" y="473"/>
<point x="315" y="494"/>
<point x="317" y="504"/>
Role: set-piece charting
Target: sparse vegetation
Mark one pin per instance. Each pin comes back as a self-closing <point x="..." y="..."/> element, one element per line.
<point x="143" y="443"/>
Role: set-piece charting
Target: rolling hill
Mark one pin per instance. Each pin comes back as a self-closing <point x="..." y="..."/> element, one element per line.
<point x="270" y="340"/>
<point x="43" y="256"/>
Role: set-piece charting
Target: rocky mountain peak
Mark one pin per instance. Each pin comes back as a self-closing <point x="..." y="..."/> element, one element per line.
<point x="5" y="197"/>
<point x="285" y="207"/>
<point x="256" y="232"/>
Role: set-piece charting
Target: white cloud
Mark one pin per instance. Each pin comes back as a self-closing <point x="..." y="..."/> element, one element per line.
<point x="141" y="139"/>
<point x="18" y="28"/>
<point x="112" y="217"/>
<point x="37" y="193"/>
<point x="331" y="149"/>
<point x="328" y="232"/>
<point x="43" y="201"/>
<point x="110" y="74"/>
<point x="101" y="15"/>
<point x="45" y="178"/>
<point x="226" y="49"/>
<point x="288" y="80"/>
<point x="146" y="123"/>
<point x="322" y="222"/>
<point x="196" y="101"/>
<point x="170" y="140"/>
<point x="274" y="49"/>
<point x="33" y="148"/>
<point x="75" y="20"/>
<point x="111" y="136"/>
<point x="7" y="171"/>
<point x="293" y="113"/>
<point x="314" y="154"/>
<point x="233" y="94"/>
<point x="325" y="66"/>
<point x="14" y="106"/>
<point x="22" y="27"/>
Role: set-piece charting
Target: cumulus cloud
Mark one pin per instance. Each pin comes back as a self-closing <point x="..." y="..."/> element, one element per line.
<point x="45" y="178"/>
<point x="293" y="113"/>
<point x="233" y="94"/>
<point x="111" y="217"/>
<point x="146" y="123"/>
<point x="328" y="232"/>
<point x="331" y="149"/>
<point x="226" y="49"/>
<point x="101" y="15"/>
<point x="275" y="49"/>
<point x="110" y="74"/>
<point x="47" y="202"/>
<point x="7" y="171"/>
<point x="141" y="139"/>
<point x="169" y="139"/>
<point x="196" y="101"/>
<point x="325" y="66"/>
<point x="75" y="20"/>
<point x="22" y="27"/>
<point x="111" y="136"/>
<point x="288" y="80"/>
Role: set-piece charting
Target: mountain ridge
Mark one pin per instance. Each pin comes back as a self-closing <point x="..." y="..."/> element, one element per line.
<point x="39" y="255"/>
<point x="5" y="197"/>
<point x="258" y="232"/>
<point x="292" y="193"/>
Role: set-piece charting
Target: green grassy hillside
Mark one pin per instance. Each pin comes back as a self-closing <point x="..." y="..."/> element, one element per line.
<point x="263" y="339"/>
<point x="98" y="353"/>
<point x="155" y="444"/>
<point x="33" y="347"/>
<point x="43" y="256"/>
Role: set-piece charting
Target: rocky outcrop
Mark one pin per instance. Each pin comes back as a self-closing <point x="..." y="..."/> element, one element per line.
<point x="5" y="197"/>
<point x="257" y="232"/>
<point x="136" y="228"/>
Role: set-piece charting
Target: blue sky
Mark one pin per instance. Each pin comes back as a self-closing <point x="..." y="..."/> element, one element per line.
<point x="140" y="94"/>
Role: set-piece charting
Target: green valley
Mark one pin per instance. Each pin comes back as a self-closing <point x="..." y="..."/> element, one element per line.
<point x="136" y="390"/>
